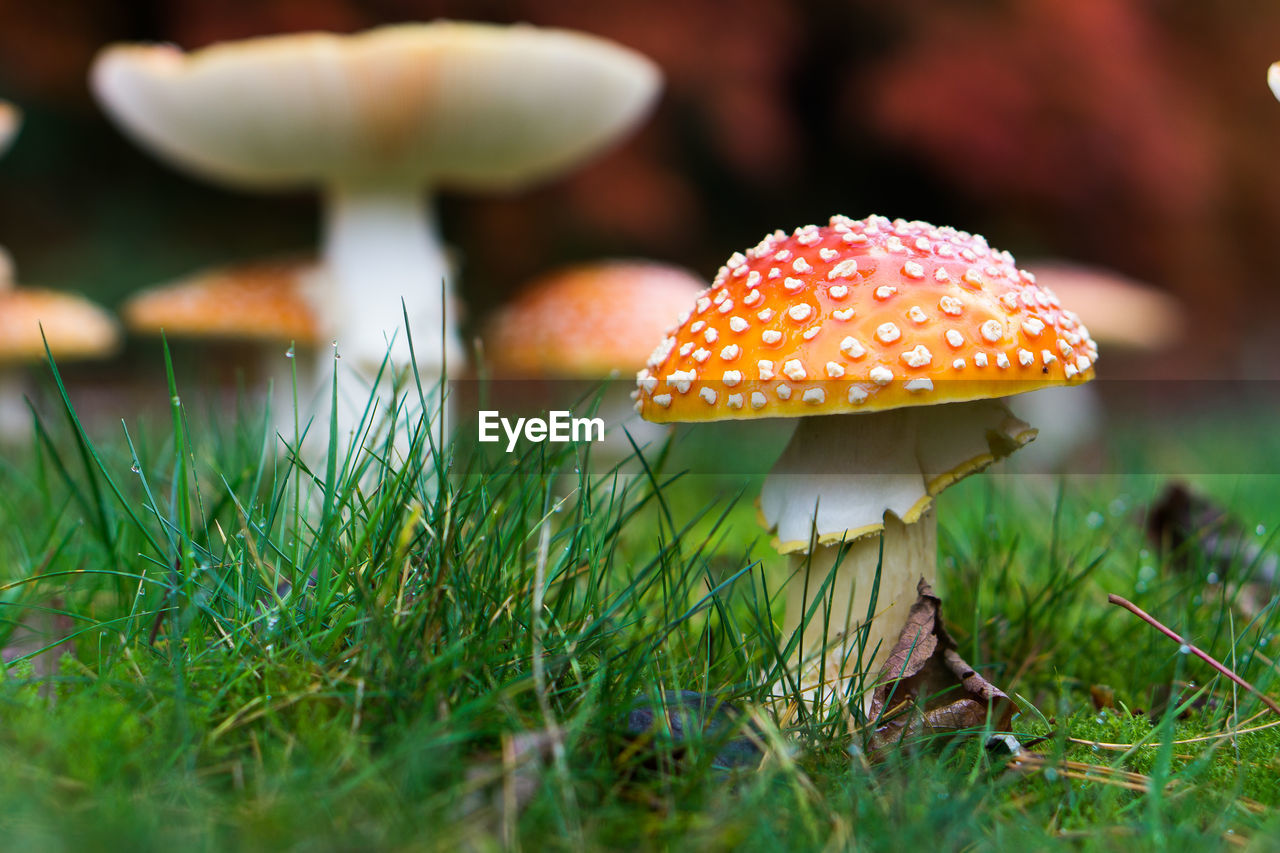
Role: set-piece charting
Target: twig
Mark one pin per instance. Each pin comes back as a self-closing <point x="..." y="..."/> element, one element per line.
<point x="1204" y="656"/>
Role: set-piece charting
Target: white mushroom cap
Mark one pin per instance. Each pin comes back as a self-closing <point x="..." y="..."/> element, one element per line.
<point x="455" y="104"/>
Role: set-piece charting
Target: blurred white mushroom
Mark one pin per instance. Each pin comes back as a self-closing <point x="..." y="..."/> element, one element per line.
<point x="378" y="121"/>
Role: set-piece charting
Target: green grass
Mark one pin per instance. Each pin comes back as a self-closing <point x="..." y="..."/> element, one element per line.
<point x="216" y="698"/>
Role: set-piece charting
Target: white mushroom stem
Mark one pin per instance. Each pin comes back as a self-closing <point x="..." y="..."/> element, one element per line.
<point x="15" y="417"/>
<point x="381" y="246"/>
<point x="386" y="262"/>
<point x="835" y="651"/>
<point x="861" y="479"/>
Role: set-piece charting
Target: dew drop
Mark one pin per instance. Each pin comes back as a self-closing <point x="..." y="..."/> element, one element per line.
<point x="1094" y="520"/>
<point x="1261" y="530"/>
<point x="135" y="469"/>
<point x="1184" y="649"/>
<point x="288" y="353"/>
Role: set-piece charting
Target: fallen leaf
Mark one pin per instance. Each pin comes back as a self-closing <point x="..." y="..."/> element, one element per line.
<point x="926" y="688"/>
<point x="1183" y="524"/>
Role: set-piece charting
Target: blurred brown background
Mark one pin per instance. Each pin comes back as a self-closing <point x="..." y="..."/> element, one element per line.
<point x="1134" y="134"/>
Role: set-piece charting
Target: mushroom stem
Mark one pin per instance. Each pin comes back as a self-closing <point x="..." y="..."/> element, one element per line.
<point x="385" y="262"/>
<point x="835" y="655"/>
<point x="860" y="479"/>
<point x="15" y="417"/>
<point x="382" y="246"/>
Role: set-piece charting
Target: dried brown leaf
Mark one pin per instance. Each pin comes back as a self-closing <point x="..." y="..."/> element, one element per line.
<point x="926" y="688"/>
<point x="1182" y="523"/>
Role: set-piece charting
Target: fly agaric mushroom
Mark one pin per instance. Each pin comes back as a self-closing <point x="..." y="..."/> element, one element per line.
<point x="591" y="322"/>
<point x="377" y="120"/>
<point x="73" y="327"/>
<point x="892" y="341"/>
<point x="253" y="305"/>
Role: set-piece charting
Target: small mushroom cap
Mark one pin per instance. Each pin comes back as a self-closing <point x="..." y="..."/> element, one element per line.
<point x="1119" y="311"/>
<point x="464" y="105"/>
<point x="265" y="301"/>
<point x="10" y="124"/>
<point x="584" y="322"/>
<point x="1273" y="78"/>
<point x="73" y="326"/>
<point x="862" y="316"/>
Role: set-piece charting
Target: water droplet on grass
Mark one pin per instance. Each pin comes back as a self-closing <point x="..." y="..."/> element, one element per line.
<point x="288" y="353"/>
<point x="1094" y="520"/>
<point x="135" y="469"/>
<point x="1261" y="530"/>
<point x="1184" y="649"/>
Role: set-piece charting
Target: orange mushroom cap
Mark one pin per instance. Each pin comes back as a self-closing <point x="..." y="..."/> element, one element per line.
<point x="862" y="316"/>
<point x="262" y="301"/>
<point x="72" y="326"/>
<point x="585" y="321"/>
